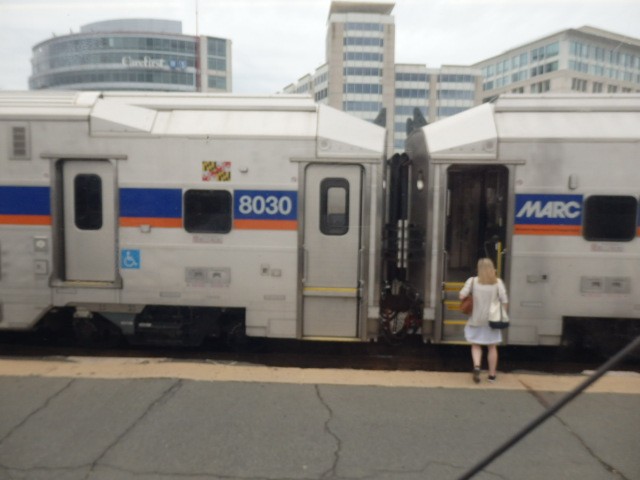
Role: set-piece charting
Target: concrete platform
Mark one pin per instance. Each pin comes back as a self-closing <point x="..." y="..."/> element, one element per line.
<point x="142" y="419"/>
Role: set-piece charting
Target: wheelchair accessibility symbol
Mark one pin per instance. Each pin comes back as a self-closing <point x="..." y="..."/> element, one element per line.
<point x="130" y="259"/>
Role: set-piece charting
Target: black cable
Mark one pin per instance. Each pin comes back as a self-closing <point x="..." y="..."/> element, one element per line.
<point x="553" y="409"/>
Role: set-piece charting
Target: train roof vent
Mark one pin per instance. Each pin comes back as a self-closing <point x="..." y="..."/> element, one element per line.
<point x="19" y="142"/>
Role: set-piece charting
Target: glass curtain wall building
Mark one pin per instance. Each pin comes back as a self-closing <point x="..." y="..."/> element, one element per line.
<point x="583" y="60"/>
<point x="132" y="54"/>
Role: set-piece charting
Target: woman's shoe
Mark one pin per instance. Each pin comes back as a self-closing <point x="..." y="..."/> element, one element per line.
<point x="492" y="378"/>
<point x="476" y="375"/>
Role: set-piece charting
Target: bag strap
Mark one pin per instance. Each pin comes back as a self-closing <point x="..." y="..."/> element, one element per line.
<point x="498" y="299"/>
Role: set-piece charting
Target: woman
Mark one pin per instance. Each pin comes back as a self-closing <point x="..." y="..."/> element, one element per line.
<point x="484" y="288"/>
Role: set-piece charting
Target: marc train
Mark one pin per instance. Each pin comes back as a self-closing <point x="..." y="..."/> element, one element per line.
<point x="175" y="217"/>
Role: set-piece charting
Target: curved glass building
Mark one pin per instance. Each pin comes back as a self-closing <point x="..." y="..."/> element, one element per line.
<point x="132" y="54"/>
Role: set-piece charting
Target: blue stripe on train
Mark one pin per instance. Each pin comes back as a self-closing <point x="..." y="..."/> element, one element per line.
<point x="151" y="202"/>
<point x="24" y="200"/>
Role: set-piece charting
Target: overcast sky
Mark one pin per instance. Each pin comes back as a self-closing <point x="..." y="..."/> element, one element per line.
<point x="277" y="41"/>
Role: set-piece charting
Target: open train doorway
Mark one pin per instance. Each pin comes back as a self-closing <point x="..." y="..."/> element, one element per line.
<point x="476" y="227"/>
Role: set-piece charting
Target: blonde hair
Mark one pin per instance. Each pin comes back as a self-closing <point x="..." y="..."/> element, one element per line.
<point x="486" y="272"/>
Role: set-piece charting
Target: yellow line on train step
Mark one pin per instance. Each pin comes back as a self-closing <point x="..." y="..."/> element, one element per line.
<point x="331" y="289"/>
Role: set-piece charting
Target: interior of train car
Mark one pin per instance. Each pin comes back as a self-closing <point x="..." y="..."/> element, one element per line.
<point x="476" y="219"/>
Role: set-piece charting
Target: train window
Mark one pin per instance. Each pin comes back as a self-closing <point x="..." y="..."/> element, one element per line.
<point x="334" y="206"/>
<point x="207" y="211"/>
<point x="88" y="202"/>
<point x="609" y="218"/>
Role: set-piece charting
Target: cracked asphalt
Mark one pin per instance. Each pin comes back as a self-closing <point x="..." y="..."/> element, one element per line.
<point x="72" y="419"/>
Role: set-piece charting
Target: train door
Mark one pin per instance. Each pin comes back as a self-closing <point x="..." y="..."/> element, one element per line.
<point x="475" y="225"/>
<point x="88" y="222"/>
<point x="331" y="249"/>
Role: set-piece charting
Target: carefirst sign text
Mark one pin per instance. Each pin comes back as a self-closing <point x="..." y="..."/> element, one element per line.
<point x="540" y="214"/>
<point x="148" y="62"/>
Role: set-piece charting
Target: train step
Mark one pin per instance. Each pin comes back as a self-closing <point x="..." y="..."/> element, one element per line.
<point x="451" y="290"/>
<point x="454" y="320"/>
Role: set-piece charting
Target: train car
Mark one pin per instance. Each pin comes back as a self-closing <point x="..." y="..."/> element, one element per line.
<point x="547" y="186"/>
<point x="173" y="217"/>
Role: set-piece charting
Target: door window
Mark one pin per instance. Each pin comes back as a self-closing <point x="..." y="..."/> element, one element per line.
<point x="88" y="201"/>
<point x="334" y="206"/>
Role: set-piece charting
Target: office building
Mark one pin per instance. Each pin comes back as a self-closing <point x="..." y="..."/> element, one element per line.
<point x="436" y="92"/>
<point x="132" y="54"/>
<point x="360" y="75"/>
<point x="587" y="60"/>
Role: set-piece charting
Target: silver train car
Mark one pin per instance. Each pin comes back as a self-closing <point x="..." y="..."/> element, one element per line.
<point x="547" y="186"/>
<point x="175" y="217"/>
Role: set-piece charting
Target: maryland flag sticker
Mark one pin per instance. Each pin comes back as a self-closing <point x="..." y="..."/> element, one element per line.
<point x="216" y="171"/>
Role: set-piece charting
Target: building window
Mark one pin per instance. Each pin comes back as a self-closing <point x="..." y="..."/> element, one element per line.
<point x="365" y="88"/>
<point x="578" y="49"/>
<point x="115" y="76"/>
<point x="597" y="87"/>
<point x="541" y="87"/>
<point x="363" y="41"/>
<point x="489" y="71"/>
<point x="321" y="94"/>
<point x="363" y="56"/>
<point x="364" y="27"/>
<point x="214" y="63"/>
<point x="88" y="201"/>
<point x="537" y="54"/>
<point x="207" y="211"/>
<point x="488" y="85"/>
<point x="460" y="78"/>
<point x="552" y="49"/>
<point x="216" y="47"/>
<point x="412" y="93"/>
<point x="456" y="95"/>
<point x="360" y="72"/>
<point x="334" y="206"/>
<point x="411" y="77"/>
<point x="217" y="82"/>
<point x="578" y="85"/>
<point x="610" y="218"/>
<point x="354" y="106"/>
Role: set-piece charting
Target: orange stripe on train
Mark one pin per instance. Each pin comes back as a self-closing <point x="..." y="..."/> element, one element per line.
<point x="560" y="230"/>
<point x="25" y="219"/>
<point x="265" y="224"/>
<point x="153" y="222"/>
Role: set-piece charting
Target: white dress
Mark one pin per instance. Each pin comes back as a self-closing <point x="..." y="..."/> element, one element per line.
<point x="477" y="329"/>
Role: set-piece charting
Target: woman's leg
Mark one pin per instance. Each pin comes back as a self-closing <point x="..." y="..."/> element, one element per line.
<point x="476" y="355"/>
<point x="493" y="360"/>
